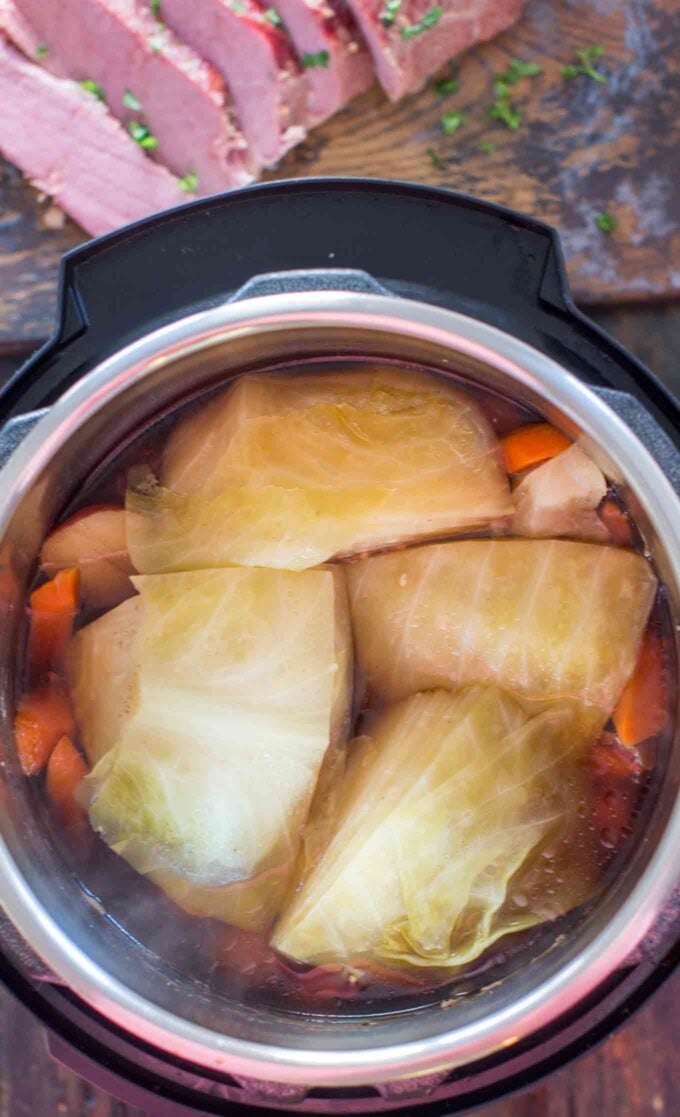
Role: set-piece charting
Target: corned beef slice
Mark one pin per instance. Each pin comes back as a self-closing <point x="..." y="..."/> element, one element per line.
<point x="183" y="101"/>
<point x="411" y="43"/>
<point x="70" y="146"/>
<point x="258" y="63"/>
<point x="325" y="31"/>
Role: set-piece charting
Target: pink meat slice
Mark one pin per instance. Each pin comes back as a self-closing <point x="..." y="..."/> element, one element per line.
<point x="137" y="61"/>
<point x="326" y="33"/>
<point x="256" y="59"/>
<point x="68" y="144"/>
<point x="406" y="51"/>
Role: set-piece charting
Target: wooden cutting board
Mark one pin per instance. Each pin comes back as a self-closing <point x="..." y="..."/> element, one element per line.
<point x="583" y="148"/>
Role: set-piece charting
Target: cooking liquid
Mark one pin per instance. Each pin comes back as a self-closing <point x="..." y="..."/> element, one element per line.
<point x="239" y="965"/>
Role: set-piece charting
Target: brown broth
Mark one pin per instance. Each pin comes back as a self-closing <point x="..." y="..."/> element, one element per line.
<point x="235" y="964"/>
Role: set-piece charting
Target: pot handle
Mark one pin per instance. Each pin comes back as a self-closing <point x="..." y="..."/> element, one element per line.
<point x="352" y="280"/>
<point x="15" y="431"/>
<point x="659" y="444"/>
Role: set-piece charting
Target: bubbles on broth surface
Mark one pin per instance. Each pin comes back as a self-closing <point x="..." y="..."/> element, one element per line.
<point x="235" y="964"/>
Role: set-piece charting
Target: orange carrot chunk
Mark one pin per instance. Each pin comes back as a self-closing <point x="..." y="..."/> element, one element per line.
<point x="617" y="523"/>
<point x="532" y="444"/>
<point x="610" y="761"/>
<point x="44" y="716"/>
<point x="65" y="770"/>
<point x="642" y="709"/>
<point x="52" y="609"/>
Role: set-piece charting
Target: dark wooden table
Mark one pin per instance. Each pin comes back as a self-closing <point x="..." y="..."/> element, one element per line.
<point x="636" y="1073"/>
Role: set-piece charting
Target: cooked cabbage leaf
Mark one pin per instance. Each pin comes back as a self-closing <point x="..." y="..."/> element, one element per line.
<point x="458" y="824"/>
<point x="542" y="618"/>
<point x="561" y="497"/>
<point x="103" y="670"/>
<point x="237" y="681"/>
<point x="288" y="471"/>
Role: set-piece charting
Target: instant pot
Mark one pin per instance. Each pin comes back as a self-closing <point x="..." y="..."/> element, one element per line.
<point x="158" y="313"/>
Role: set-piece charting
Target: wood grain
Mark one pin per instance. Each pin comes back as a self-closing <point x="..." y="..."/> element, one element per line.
<point x="583" y="148"/>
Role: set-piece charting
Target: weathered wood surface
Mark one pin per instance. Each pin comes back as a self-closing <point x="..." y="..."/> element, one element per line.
<point x="636" y="1073"/>
<point x="583" y="148"/>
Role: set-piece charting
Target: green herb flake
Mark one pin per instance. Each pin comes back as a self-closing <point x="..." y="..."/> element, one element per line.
<point x="156" y="43"/>
<point x="156" y="7"/>
<point x="93" y="87"/>
<point x="430" y="19"/>
<point x="505" y="112"/>
<point x="273" y="17"/>
<point x="389" y="12"/>
<point x="41" y="51"/>
<point x="237" y="6"/>
<point x="606" y="222"/>
<point x="435" y="159"/>
<point x="452" y="121"/>
<point x="189" y="183"/>
<point x="487" y="148"/>
<point x="518" y="69"/>
<point x="446" y="86"/>
<point x="585" y="66"/>
<point x="142" y="136"/>
<point x="131" y="102"/>
<point x="320" y="59"/>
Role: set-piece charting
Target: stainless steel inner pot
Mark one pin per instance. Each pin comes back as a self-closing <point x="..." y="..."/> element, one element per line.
<point x="90" y="954"/>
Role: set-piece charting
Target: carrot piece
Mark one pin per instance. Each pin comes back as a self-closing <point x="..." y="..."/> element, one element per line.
<point x="617" y="523"/>
<point x="611" y="761"/>
<point x="52" y="607"/>
<point x="642" y="709"/>
<point x="65" y="769"/>
<point x="532" y="444"/>
<point x="43" y="716"/>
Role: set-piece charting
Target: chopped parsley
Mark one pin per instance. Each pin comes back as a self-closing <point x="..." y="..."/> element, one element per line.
<point x="389" y="12"/>
<point x="502" y="109"/>
<point x="585" y="66"/>
<point x="93" y="87"/>
<point x="606" y="222"/>
<point x="517" y="69"/>
<point x="436" y="160"/>
<point x="452" y="121"/>
<point x="446" y="86"/>
<point x="430" y="19"/>
<point x="156" y="43"/>
<point x="41" y="51"/>
<point x="131" y="102"/>
<point x="237" y="6"/>
<point x="189" y="183"/>
<point x="156" y="7"/>
<point x="273" y="16"/>
<point x="320" y="59"/>
<point x="142" y="136"/>
<point x="487" y="148"/>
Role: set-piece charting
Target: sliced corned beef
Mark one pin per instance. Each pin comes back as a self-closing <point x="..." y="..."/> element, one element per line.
<point x="337" y="62"/>
<point x="411" y="39"/>
<point x="256" y="58"/>
<point x="68" y="144"/>
<point x="174" y="103"/>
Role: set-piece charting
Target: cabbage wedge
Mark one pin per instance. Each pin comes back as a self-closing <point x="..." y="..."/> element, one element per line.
<point x="545" y="619"/>
<point x="458" y="824"/>
<point x="290" y="471"/>
<point x="208" y="704"/>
